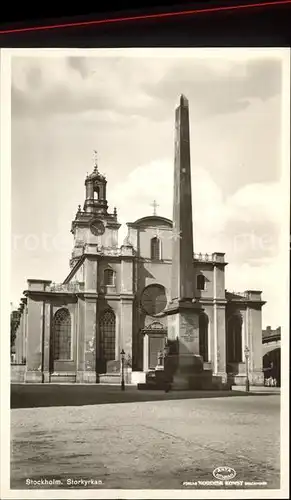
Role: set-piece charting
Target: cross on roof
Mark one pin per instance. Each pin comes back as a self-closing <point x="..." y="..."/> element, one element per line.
<point x="155" y="205"/>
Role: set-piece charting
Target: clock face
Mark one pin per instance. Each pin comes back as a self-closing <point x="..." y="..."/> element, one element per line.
<point x="97" y="227"/>
<point x="154" y="299"/>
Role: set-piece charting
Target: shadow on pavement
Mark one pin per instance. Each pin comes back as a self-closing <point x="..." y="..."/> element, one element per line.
<point x="33" y="396"/>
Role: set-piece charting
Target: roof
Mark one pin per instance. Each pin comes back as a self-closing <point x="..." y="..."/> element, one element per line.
<point x="95" y="175"/>
<point x="146" y="221"/>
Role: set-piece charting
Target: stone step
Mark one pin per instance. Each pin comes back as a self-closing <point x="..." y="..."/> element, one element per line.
<point x="110" y="378"/>
<point x="151" y="387"/>
<point x="62" y="377"/>
<point x="205" y="380"/>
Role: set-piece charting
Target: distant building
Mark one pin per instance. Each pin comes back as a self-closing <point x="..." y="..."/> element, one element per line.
<point x="271" y="340"/>
<point x="14" y="333"/>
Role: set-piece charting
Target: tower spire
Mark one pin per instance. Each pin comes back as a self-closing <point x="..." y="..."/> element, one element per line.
<point x="95" y="160"/>
<point x="95" y="183"/>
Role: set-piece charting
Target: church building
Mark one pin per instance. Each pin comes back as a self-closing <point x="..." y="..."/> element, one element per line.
<point x="114" y="298"/>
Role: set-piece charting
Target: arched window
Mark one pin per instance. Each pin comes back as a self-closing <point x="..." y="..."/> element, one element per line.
<point x="62" y="334"/>
<point x="234" y="339"/>
<point x="109" y="277"/>
<point x="200" y="282"/>
<point x="107" y="335"/>
<point x="203" y="336"/>
<point x="155" y="248"/>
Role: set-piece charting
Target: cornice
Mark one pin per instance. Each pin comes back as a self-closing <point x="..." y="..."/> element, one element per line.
<point x="145" y="221"/>
<point x="246" y="302"/>
<point x="271" y="338"/>
<point x="127" y="297"/>
<point x="45" y="295"/>
<point x="152" y="261"/>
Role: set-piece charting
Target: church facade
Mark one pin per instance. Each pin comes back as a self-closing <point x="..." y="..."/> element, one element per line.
<point x="113" y="300"/>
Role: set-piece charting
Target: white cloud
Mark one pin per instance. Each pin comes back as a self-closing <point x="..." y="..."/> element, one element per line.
<point x="258" y="200"/>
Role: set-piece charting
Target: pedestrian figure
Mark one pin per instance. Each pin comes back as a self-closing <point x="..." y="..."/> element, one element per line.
<point x="167" y="368"/>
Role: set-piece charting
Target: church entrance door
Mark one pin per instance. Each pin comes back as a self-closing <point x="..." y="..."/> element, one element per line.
<point x="156" y="344"/>
<point x="155" y="336"/>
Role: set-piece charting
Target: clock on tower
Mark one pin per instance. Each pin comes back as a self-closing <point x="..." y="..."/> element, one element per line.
<point x="97" y="227"/>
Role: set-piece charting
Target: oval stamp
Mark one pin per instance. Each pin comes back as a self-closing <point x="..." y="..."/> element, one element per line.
<point x="224" y="473"/>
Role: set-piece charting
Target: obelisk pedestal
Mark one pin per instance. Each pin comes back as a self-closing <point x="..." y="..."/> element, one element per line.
<point x="183" y="361"/>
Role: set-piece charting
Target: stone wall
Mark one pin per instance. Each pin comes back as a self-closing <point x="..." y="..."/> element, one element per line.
<point x="17" y="373"/>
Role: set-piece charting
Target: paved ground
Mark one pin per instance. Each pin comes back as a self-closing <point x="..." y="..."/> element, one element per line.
<point x="148" y="444"/>
<point x="38" y="395"/>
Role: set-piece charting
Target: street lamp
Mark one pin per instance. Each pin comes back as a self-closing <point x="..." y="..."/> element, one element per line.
<point x="122" y="370"/>
<point x="247" y="356"/>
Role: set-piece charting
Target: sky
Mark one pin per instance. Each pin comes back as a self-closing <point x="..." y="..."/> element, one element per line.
<point x="64" y="107"/>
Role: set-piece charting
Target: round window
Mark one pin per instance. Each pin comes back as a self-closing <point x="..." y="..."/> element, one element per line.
<point x="154" y="299"/>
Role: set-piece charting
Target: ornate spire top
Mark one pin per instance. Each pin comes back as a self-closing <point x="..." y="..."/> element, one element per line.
<point x="95" y="172"/>
<point x="95" y="158"/>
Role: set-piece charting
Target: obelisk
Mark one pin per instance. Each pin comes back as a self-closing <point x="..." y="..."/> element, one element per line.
<point x="182" y="243"/>
<point x="183" y="310"/>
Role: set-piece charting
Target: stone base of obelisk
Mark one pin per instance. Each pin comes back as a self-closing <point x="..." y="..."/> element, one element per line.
<point x="185" y="372"/>
<point x="183" y="365"/>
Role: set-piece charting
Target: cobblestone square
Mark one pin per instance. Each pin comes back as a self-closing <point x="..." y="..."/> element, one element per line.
<point x="147" y="444"/>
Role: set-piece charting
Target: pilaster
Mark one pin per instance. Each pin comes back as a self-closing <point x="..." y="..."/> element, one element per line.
<point x="24" y="337"/>
<point x="89" y="374"/>
<point x="220" y="334"/>
<point x="46" y="342"/>
<point x="35" y="340"/>
<point x="219" y="326"/>
<point x="80" y="340"/>
<point x="126" y="324"/>
<point x="145" y="353"/>
<point x="91" y="273"/>
<point x="255" y="339"/>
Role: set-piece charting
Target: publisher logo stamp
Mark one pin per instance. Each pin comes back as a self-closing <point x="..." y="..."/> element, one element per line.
<point x="224" y="473"/>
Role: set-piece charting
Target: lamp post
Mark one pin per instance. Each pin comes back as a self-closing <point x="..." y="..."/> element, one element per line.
<point x="247" y="356"/>
<point x="122" y="370"/>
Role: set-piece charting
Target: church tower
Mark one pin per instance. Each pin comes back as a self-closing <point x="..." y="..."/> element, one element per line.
<point x="94" y="225"/>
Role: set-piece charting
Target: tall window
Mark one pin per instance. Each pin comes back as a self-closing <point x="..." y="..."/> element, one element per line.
<point x="155" y="248"/>
<point x="107" y="335"/>
<point x="234" y="339"/>
<point x="203" y="336"/>
<point x="200" y="282"/>
<point x="109" y="277"/>
<point x="62" y="334"/>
